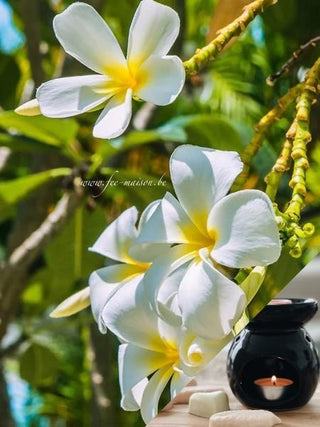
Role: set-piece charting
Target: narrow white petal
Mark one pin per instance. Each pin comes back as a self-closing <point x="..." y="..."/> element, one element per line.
<point x="86" y="36"/>
<point x="210" y="302"/>
<point x="115" y="117"/>
<point x="104" y="283"/>
<point x="135" y="364"/>
<point x="128" y="315"/>
<point x="117" y="238"/>
<point x="164" y="79"/>
<point x="169" y="224"/>
<point x="201" y="177"/>
<point x="72" y="305"/>
<point x="69" y="96"/>
<point x="153" y="391"/>
<point x="153" y="31"/>
<point x="247" y="232"/>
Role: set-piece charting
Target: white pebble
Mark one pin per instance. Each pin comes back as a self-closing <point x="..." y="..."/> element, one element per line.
<point x="245" y="417"/>
<point x="207" y="404"/>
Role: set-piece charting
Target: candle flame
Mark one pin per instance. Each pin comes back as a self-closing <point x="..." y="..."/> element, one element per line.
<point x="274" y="380"/>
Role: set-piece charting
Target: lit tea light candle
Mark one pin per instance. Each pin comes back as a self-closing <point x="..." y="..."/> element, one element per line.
<point x="273" y="388"/>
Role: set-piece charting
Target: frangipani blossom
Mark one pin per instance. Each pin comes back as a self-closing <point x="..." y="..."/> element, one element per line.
<point x="147" y="73"/>
<point x="152" y="347"/>
<point x="238" y="230"/>
<point x="114" y="243"/>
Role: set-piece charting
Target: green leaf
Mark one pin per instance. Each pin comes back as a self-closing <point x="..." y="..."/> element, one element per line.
<point x="135" y="138"/>
<point x="14" y="190"/>
<point x="215" y="132"/>
<point x="210" y="130"/>
<point x="38" y="365"/>
<point x="24" y="144"/>
<point x="54" y="132"/>
<point x="252" y="283"/>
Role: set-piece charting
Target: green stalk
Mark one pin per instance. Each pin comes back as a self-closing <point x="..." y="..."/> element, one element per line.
<point x="301" y="138"/>
<point x="209" y="52"/>
<point x="261" y="130"/>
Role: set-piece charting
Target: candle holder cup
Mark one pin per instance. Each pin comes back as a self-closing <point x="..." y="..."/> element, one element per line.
<point x="273" y="363"/>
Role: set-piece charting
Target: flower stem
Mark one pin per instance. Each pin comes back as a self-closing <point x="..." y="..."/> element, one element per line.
<point x="261" y="130"/>
<point x="280" y="167"/>
<point x="209" y="52"/>
<point x="301" y="138"/>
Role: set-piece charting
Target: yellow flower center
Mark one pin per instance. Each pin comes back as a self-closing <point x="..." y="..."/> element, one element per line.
<point x="129" y="77"/>
<point x="172" y="353"/>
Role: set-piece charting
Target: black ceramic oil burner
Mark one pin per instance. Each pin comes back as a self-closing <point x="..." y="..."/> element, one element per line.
<point x="273" y="363"/>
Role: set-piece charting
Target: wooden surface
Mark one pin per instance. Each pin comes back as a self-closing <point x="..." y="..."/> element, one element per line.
<point x="176" y="414"/>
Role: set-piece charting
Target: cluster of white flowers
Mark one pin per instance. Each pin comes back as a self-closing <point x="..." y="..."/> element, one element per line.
<point x="166" y="295"/>
<point x="166" y="298"/>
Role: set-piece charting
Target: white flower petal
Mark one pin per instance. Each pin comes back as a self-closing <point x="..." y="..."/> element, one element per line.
<point x="86" y="36"/>
<point x="135" y="364"/>
<point x="131" y="401"/>
<point x="104" y="283"/>
<point x="117" y="238"/>
<point x="201" y="177"/>
<point x="170" y="311"/>
<point x="146" y="253"/>
<point x="153" y="31"/>
<point x="167" y="298"/>
<point x="153" y="391"/>
<point x="169" y="224"/>
<point x="246" y="229"/>
<point x="115" y="117"/>
<point x="68" y="96"/>
<point x="210" y="303"/>
<point x="162" y="267"/>
<point x="147" y="213"/>
<point x="178" y="382"/>
<point x="164" y="79"/>
<point x="195" y="352"/>
<point x="72" y="305"/>
<point x="129" y="316"/>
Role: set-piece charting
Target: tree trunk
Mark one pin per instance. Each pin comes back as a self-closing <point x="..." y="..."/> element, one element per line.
<point x="105" y="396"/>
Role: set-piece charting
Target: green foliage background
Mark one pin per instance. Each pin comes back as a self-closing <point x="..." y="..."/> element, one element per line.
<point x="66" y="363"/>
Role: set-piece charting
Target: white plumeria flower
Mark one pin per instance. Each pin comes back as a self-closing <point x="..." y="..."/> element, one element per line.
<point x="115" y="243"/>
<point x="238" y="230"/>
<point x="147" y="73"/>
<point x="152" y="347"/>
